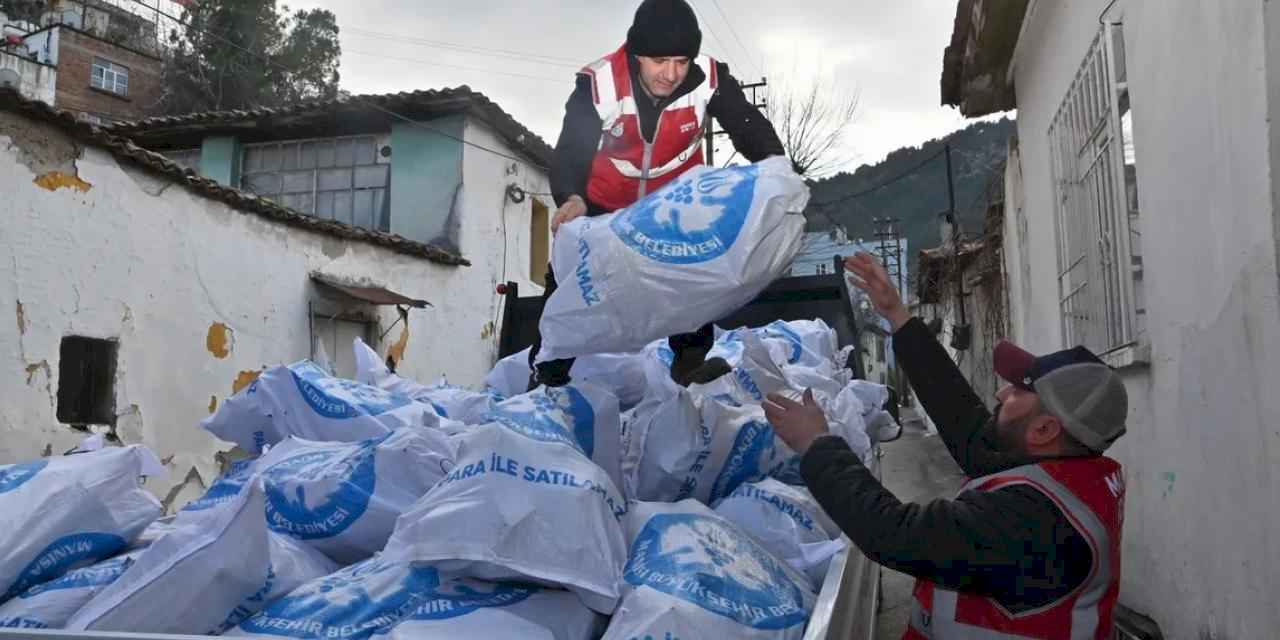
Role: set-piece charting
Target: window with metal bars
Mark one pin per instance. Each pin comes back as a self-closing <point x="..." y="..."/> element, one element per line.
<point x="333" y="178"/>
<point x="1095" y="176"/>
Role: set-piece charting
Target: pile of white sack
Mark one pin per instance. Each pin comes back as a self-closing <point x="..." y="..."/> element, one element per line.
<point x="619" y="506"/>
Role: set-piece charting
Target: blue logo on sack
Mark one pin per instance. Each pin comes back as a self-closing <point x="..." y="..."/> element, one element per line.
<point x="226" y="487"/>
<point x="340" y="399"/>
<point x="344" y="605"/>
<point x="779" y="329"/>
<point x="691" y="220"/>
<point x="702" y="560"/>
<point x="553" y="414"/>
<point x="750" y="459"/>
<point x="457" y="599"/>
<point x="13" y="476"/>
<point x="100" y="574"/>
<point x="21" y="622"/>
<point x="320" y="494"/>
<point x="64" y="554"/>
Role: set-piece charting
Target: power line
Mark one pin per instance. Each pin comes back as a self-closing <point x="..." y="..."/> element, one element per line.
<point x="734" y="33"/>
<point x="511" y="54"/>
<point x="883" y="184"/>
<point x="365" y="101"/>
<point x="462" y="67"/>
<point x="703" y="19"/>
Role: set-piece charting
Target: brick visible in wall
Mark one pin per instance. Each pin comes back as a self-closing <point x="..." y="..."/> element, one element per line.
<point x="76" y="52"/>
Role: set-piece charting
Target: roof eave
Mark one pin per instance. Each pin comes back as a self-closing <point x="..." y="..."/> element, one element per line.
<point x="975" y="68"/>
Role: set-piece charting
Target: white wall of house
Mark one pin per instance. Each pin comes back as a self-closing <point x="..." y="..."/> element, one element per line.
<point x="35" y="81"/>
<point x="1203" y="503"/>
<point x="140" y="260"/>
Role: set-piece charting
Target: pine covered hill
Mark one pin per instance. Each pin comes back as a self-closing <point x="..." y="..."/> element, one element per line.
<point x="916" y="200"/>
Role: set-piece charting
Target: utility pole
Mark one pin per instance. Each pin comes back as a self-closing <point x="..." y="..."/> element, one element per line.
<point x="711" y="133"/>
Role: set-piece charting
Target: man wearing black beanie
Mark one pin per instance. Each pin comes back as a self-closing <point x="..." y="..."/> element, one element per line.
<point x="634" y="123"/>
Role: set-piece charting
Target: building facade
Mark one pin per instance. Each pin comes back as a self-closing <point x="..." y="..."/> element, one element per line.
<point x="1142" y="221"/>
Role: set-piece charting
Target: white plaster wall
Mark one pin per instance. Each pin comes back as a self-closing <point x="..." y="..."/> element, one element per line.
<point x="1203" y="505"/>
<point x="36" y="81"/>
<point x="156" y="271"/>
<point x="497" y="230"/>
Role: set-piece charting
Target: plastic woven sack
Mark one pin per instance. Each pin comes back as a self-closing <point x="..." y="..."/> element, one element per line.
<point x="446" y="400"/>
<point x="517" y="508"/>
<point x="693" y="574"/>
<point x="302" y="400"/>
<point x="344" y="498"/>
<point x="354" y="603"/>
<point x="51" y="604"/>
<point x="623" y="374"/>
<point x="788" y="522"/>
<point x="215" y="568"/>
<point x="463" y="608"/>
<point x="687" y="254"/>
<point x="579" y="415"/>
<point x="67" y="512"/>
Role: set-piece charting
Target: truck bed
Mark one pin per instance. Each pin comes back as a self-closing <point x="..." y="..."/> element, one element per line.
<point x="847" y="603"/>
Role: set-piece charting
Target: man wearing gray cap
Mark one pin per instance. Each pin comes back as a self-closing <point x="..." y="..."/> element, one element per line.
<point x="1030" y="548"/>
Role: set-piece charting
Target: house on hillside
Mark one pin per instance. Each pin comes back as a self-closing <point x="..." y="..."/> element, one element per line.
<point x="92" y="58"/>
<point x="1142" y="221"/>
<point x="145" y="294"/>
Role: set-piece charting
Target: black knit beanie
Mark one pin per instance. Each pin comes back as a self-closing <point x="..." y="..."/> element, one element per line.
<point x="664" y="28"/>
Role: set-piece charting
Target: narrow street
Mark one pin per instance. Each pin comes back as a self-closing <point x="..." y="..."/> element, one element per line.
<point x="916" y="468"/>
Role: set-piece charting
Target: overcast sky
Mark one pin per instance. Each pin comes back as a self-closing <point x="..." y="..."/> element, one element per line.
<point x="890" y="52"/>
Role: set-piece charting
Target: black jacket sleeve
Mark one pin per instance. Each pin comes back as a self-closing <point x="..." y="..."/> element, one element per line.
<point x="944" y="393"/>
<point x="751" y="133"/>
<point x="1011" y="544"/>
<point x="576" y="148"/>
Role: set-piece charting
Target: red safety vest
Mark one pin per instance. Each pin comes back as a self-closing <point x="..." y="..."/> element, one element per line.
<point x="1090" y="491"/>
<point x="626" y="166"/>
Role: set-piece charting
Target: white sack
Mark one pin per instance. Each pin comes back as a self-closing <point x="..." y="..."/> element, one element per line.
<point x="622" y="374"/>
<point x="51" y="604"/>
<point x="687" y="254"/>
<point x="351" y="604"/>
<point x="67" y="512"/>
<point x="344" y="498"/>
<point x="516" y="508"/>
<point x="216" y="567"/>
<point x="579" y="415"/>
<point x="464" y="608"/>
<point x="788" y="522"/>
<point x="446" y="400"/>
<point x="302" y="400"/>
<point x="692" y="574"/>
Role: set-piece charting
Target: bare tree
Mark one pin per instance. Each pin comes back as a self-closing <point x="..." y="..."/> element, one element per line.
<point x="812" y="123"/>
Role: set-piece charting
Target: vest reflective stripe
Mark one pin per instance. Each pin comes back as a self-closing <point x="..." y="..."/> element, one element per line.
<point x="627" y="166"/>
<point x="631" y="171"/>
<point x="938" y="612"/>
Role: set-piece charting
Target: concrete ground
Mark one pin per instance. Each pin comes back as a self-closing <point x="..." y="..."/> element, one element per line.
<point x="916" y="468"/>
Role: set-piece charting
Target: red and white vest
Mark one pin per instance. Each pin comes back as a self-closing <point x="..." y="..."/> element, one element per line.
<point x="1090" y="491"/>
<point x="626" y="167"/>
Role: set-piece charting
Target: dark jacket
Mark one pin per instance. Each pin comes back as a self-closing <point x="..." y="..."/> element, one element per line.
<point x="751" y="133"/>
<point x="1012" y="544"/>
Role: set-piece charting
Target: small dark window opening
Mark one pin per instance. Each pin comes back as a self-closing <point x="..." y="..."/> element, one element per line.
<point x="86" y="381"/>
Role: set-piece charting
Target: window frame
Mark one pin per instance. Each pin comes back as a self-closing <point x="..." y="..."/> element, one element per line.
<point x="1095" y="227"/>
<point x="311" y="199"/>
<point x="101" y="69"/>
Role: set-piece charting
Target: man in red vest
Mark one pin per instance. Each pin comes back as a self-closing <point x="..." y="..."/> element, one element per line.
<point x="635" y="122"/>
<point x="1030" y="548"/>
